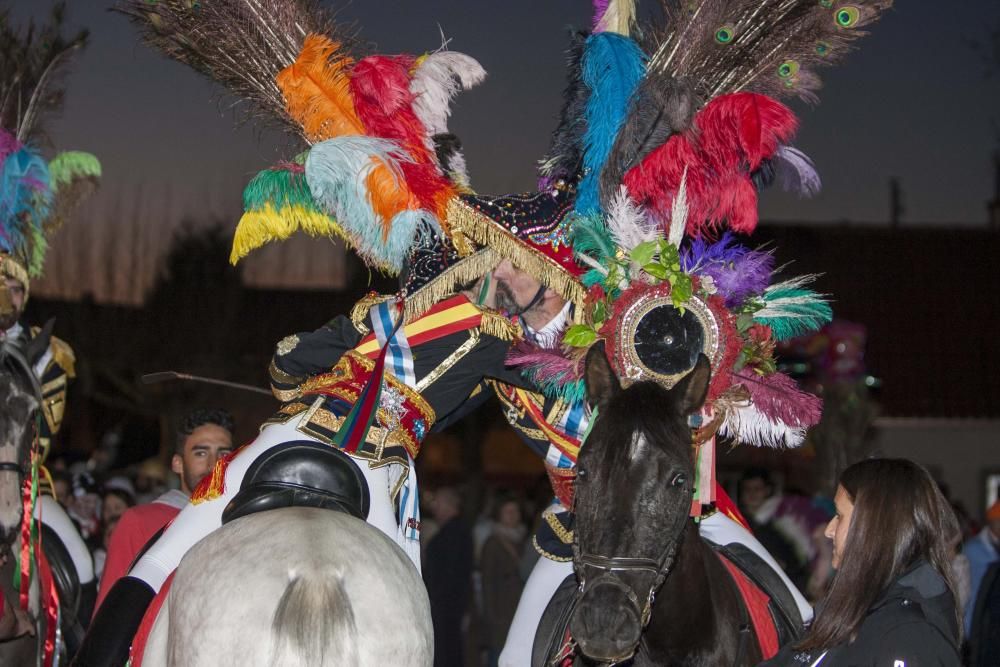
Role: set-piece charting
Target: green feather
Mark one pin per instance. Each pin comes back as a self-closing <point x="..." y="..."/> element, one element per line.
<point x="279" y="188"/>
<point x="68" y="166"/>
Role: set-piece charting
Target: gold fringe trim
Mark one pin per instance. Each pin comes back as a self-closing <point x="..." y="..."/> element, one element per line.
<point x="467" y="221"/>
<point x="446" y="284"/>
<point x="496" y="325"/>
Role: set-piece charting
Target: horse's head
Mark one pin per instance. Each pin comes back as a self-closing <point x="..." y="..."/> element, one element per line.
<point x="18" y="403"/>
<point x="635" y="478"/>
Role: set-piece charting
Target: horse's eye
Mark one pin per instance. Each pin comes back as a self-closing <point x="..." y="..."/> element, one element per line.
<point x="679" y="479"/>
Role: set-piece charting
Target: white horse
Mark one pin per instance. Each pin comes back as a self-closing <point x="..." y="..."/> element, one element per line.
<point x="294" y="587"/>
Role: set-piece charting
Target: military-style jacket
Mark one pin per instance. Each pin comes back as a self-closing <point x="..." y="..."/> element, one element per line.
<point x="320" y="374"/>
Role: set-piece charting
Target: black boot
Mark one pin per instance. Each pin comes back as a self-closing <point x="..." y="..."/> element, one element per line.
<point x="110" y="635"/>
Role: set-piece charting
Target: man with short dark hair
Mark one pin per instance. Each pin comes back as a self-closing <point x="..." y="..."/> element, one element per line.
<point x="202" y="438"/>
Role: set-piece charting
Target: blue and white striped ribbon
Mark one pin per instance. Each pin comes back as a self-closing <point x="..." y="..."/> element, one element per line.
<point x="399" y="358"/>
<point x="573" y="423"/>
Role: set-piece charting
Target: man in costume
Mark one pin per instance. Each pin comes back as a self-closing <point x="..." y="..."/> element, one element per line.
<point x="204" y="437"/>
<point x="37" y="197"/>
<point x="382" y="172"/>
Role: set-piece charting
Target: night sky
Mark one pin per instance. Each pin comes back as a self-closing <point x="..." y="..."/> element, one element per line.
<point x="915" y="102"/>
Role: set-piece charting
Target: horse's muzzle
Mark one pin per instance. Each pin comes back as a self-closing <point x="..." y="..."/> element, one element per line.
<point x="606" y="623"/>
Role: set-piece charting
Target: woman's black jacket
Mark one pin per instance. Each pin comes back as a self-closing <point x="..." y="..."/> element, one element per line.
<point x="912" y="625"/>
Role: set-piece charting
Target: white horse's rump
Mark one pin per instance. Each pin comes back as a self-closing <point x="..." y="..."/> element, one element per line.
<point x="294" y="587"/>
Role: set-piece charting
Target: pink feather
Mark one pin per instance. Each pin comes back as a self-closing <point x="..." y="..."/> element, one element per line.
<point x="779" y="398"/>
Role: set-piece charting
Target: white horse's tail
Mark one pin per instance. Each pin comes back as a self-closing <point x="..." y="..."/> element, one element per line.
<point x="313" y="615"/>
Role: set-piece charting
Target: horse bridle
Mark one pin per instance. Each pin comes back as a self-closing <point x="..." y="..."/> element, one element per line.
<point x="12" y="354"/>
<point x="608" y="566"/>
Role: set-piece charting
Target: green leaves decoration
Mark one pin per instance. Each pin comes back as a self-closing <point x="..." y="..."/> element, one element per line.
<point x="580" y="335"/>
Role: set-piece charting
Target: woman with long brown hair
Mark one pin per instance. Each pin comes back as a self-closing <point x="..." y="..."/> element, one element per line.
<point x="891" y="601"/>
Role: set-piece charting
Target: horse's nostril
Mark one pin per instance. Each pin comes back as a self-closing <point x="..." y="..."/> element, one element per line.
<point x="607" y="626"/>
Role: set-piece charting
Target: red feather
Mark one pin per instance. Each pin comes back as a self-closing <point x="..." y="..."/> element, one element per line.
<point x="380" y="86"/>
<point x="730" y="138"/>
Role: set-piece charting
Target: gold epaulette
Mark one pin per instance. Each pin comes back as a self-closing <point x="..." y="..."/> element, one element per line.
<point x="496" y="325"/>
<point x="62" y="353"/>
<point x="359" y="313"/>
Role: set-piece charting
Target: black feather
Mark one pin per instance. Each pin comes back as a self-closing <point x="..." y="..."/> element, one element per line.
<point x="565" y="157"/>
<point x="661" y="107"/>
<point x="446" y="146"/>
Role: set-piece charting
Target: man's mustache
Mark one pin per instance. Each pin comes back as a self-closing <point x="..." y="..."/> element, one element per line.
<point x="505" y="299"/>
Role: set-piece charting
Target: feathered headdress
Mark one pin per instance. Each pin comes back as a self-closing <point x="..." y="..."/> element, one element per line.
<point x="693" y="97"/>
<point x="36" y="196"/>
<point x="380" y="166"/>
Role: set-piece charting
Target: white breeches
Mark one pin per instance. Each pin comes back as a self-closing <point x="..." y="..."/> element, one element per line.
<point x="196" y="521"/>
<point x="548" y="574"/>
<point x="720" y="529"/>
<point x="538" y="590"/>
<point x="52" y="514"/>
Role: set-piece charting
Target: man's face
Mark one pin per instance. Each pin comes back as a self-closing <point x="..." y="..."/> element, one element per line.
<point x="201" y="450"/>
<point x="15" y="297"/>
<point x="753" y="493"/>
<point x="515" y="288"/>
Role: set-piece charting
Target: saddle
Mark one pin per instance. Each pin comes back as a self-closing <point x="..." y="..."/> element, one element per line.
<point x="301" y="473"/>
<point x="781" y="605"/>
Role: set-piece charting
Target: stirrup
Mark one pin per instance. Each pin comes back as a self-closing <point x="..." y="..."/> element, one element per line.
<point x="302" y="473"/>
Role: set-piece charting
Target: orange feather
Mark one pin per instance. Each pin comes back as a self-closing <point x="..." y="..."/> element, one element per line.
<point x="317" y="90"/>
<point x="388" y="194"/>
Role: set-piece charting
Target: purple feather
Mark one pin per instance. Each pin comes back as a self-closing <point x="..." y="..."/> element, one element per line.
<point x="795" y="172"/>
<point x="600" y="7"/>
<point x="778" y="397"/>
<point x="8" y="144"/>
<point x="737" y="271"/>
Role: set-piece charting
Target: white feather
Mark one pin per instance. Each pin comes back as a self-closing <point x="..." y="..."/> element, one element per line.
<point x="679" y="213"/>
<point x="437" y="80"/>
<point x="628" y="224"/>
<point x="747" y="425"/>
<point x="619" y="17"/>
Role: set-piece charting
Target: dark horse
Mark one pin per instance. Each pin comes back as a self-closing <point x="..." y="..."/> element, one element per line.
<point x="635" y="540"/>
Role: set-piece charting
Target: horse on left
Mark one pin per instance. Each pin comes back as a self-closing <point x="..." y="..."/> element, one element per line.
<point x="19" y="404"/>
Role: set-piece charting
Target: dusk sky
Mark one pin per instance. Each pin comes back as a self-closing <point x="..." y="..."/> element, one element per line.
<point x="915" y="102"/>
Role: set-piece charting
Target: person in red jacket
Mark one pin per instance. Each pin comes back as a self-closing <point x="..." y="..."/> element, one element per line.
<point x="204" y="436"/>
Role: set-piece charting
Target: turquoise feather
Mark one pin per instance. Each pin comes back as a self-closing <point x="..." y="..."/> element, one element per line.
<point x="336" y="172"/>
<point x="791" y="310"/>
<point x="590" y="237"/>
<point x="613" y="66"/>
<point x="25" y="203"/>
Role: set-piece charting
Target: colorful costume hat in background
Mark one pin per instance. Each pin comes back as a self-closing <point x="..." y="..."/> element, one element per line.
<point x="36" y="196"/>
<point x="380" y="166"/>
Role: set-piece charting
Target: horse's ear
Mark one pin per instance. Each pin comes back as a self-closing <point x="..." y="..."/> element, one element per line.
<point x="39" y="343"/>
<point x="693" y="387"/>
<point x="602" y="383"/>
